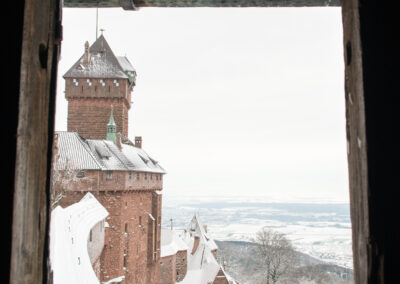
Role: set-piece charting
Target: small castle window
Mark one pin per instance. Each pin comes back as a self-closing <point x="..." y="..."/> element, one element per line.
<point x="137" y="176"/>
<point x="130" y="175"/>
<point x="145" y="175"/>
<point x="76" y="82"/>
<point x="80" y="174"/>
<point x="89" y="82"/>
<point x="109" y="175"/>
<point x="116" y="84"/>
<point x="126" y="227"/>
<point x="151" y="176"/>
<point x="90" y="236"/>
<point x="140" y="220"/>
<point x="102" y="83"/>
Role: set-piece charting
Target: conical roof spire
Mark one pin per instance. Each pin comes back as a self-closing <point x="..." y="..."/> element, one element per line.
<point x="111" y="121"/>
<point x="112" y="128"/>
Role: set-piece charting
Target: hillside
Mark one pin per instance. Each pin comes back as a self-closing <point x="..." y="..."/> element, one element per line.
<point x="243" y="264"/>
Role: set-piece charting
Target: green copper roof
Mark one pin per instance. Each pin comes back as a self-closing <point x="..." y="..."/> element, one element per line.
<point x="111" y="121"/>
<point x="111" y="128"/>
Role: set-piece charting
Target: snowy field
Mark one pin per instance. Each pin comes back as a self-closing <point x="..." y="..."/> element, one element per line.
<point x="322" y="230"/>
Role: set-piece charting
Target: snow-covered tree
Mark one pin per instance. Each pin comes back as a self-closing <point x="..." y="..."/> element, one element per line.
<point x="276" y="252"/>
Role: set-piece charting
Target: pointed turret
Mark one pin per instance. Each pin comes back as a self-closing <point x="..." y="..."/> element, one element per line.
<point x="112" y="128"/>
<point x="96" y="81"/>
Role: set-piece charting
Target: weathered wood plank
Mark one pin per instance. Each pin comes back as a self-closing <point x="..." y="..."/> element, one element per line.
<point x="127" y="4"/>
<point x="31" y="172"/>
<point x="356" y="141"/>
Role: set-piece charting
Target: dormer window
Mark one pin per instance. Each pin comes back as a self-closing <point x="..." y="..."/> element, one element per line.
<point x="116" y="84"/>
<point x="102" y="83"/>
<point x="76" y="82"/>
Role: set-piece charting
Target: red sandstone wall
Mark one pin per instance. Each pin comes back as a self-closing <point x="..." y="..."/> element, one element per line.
<point x="181" y="265"/>
<point x="89" y="117"/>
<point x="220" y="278"/>
<point x="89" y="106"/>
<point x="128" y="236"/>
<point x="168" y="269"/>
<point x="120" y="180"/>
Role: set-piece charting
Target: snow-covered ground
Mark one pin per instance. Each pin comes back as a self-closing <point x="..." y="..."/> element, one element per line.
<point x="322" y="230"/>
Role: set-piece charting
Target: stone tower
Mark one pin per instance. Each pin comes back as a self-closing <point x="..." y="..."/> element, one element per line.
<point x="97" y="81"/>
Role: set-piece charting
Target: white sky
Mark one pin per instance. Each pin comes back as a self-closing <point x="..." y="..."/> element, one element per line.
<point x="233" y="102"/>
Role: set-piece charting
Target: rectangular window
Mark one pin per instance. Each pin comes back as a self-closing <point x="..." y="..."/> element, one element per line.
<point x="90" y="236"/>
<point x="151" y="176"/>
<point x="80" y="174"/>
<point x="140" y="220"/>
<point x="126" y="227"/>
<point x="109" y="175"/>
<point x="145" y="175"/>
<point x="130" y="175"/>
<point x="137" y="176"/>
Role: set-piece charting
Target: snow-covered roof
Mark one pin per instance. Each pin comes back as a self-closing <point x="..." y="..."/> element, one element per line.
<point x="125" y="64"/>
<point x="171" y="243"/>
<point x="197" y="228"/>
<point x="141" y="160"/>
<point x="74" y="152"/>
<point x="102" y="63"/>
<point x="69" y="232"/>
<point x="202" y="265"/>
<point x="109" y="156"/>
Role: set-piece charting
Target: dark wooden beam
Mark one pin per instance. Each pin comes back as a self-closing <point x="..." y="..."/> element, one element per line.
<point x="198" y="3"/>
<point x="373" y="153"/>
<point x="40" y="49"/>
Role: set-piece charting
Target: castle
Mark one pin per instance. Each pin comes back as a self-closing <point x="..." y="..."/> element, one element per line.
<point x="96" y="161"/>
<point x="96" y="156"/>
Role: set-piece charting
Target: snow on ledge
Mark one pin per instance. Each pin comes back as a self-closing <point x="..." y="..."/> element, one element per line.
<point x="115" y="280"/>
<point x="69" y="232"/>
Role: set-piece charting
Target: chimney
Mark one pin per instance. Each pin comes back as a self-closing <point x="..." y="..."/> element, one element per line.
<point x="86" y="56"/>
<point x="118" y="140"/>
<point x="138" y="141"/>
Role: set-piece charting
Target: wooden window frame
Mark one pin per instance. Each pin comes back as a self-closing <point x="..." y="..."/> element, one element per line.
<point x="370" y="115"/>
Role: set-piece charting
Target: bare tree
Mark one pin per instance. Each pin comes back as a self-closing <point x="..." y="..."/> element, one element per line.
<point x="65" y="178"/>
<point x="277" y="254"/>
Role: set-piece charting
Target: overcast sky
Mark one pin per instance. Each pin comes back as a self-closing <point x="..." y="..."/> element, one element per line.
<point x="233" y="102"/>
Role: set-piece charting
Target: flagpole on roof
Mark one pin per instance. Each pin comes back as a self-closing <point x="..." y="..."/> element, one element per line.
<point x="97" y="21"/>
